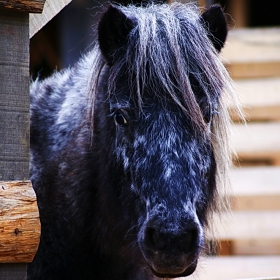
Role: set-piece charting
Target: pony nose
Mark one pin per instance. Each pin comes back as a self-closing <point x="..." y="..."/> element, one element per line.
<point x="156" y="239"/>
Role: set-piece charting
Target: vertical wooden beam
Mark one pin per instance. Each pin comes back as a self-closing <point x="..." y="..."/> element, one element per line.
<point x="14" y="109"/>
<point x="14" y="95"/>
<point x="239" y="10"/>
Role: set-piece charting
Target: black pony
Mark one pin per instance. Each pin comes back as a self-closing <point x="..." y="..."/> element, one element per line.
<point x="129" y="147"/>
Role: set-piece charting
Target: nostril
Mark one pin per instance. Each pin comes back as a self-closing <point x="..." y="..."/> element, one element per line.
<point x="187" y="241"/>
<point x="153" y="239"/>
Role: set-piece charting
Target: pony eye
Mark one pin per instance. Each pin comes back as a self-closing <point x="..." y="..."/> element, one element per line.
<point x="120" y="119"/>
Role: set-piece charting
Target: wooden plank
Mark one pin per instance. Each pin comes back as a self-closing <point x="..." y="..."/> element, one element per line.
<point x="266" y="112"/>
<point x="255" y="180"/>
<point x="14" y="97"/>
<point x="253" y="53"/>
<point x="257" y="141"/>
<point x="253" y="69"/>
<point x="255" y="188"/>
<point x="240" y="225"/>
<point x="19" y="222"/>
<point x="252" y="45"/>
<point x="256" y="202"/>
<point x="260" y="98"/>
<point x="233" y="267"/>
<point x="255" y="247"/>
<point x="29" y="6"/>
<point x="52" y="8"/>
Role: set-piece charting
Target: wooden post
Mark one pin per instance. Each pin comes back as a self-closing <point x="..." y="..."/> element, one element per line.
<point x="14" y="106"/>
<point x="19" y="218"/>
<point x="14" y="96"/>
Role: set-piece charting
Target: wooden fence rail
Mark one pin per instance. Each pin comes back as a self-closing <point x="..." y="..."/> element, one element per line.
<point x="20" y="225"/>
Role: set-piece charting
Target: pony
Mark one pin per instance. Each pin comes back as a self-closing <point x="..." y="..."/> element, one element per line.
<point x="129" y="147"/>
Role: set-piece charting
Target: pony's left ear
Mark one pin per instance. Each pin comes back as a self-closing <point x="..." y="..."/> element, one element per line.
<point x="215" y="22"/>
<point x="113" y="30"/>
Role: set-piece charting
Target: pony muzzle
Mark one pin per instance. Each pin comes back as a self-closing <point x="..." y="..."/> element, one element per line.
<point x="171" y="253"/>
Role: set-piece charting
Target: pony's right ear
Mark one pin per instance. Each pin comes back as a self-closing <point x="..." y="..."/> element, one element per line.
<point x="113" y="30"/>
<point x="215" y="23"/>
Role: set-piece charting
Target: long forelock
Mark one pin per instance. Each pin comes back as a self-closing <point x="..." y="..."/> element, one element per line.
<point x="166" y="47"/>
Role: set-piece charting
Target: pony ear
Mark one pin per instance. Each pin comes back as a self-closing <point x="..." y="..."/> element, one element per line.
<point x="113" y="30"/>
<point x="215" y="22"/>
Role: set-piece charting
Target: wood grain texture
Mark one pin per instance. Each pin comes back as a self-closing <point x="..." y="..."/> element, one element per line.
<point x="14" y="96"/>
<point x="29" y="6"/>
<point x="19" y="222"/>
<point x="52" y="8"/>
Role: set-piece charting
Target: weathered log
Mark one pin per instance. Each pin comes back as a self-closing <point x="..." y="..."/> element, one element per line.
<point x="19" y="222"/>
<point x="30" y="6"/>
